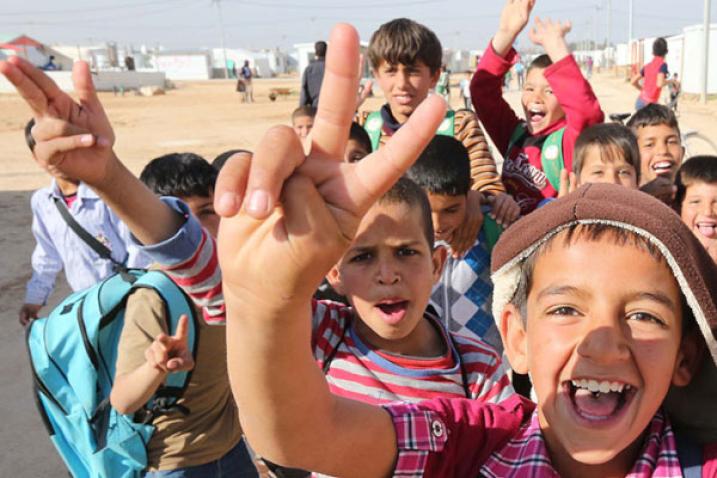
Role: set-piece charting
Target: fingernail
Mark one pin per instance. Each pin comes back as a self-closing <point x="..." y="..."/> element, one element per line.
<point x="258" y="202"/>
<point x="87" y="139"/>
<point x="228" y="202"/>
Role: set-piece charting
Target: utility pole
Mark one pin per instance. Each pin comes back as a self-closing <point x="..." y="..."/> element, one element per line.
<point x="706" y="58"/>
<point x="221" y="29"/>
<point x="609" y="22"/>
<point x="630" y="18"/>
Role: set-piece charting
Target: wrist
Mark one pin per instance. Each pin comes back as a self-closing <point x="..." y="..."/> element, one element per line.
<point x="503" y="41"/>
<point x="557" y="50"/>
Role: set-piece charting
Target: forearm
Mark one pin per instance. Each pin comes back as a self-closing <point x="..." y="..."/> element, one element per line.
<point x="133" y="390"/>
<point x="288" y="413"/>
<point x="150" y="220"/>
<point x="503" y="41"/>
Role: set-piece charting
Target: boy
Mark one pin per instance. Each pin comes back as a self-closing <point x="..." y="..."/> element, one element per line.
<point x="58" y="247"/>
<point x="697" y="199"/>
<point x="145" y="354"/>
<point x="652" y="77"/>
<point x="462" y="296"/>
<point x="557" y="101"/>
<point x="405" y="58"/>
<point x="607" y="153"/>
<point x="661" y="150"/>
<point x="302" y="120"/>
<point x="359" y="144"/>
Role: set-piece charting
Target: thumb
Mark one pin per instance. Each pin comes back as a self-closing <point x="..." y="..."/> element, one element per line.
<point x="85" y="87"/>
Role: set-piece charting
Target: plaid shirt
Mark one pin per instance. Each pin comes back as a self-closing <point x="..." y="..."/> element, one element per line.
<point x="463" y="438"/>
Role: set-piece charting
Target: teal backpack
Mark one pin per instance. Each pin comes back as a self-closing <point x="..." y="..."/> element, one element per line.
<point x="374" y="126"/>
<point x="551" y="154"/>
<point x="72" y="355"/>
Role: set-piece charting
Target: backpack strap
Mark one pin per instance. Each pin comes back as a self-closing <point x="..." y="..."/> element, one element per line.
<point x="551" y="157"/>
<point x="176" y="304"/>
<point x="690" y="455"/>
<point x="492" y="231"/>
<point x="82" y="233"/>
<point x="374" y="127"/>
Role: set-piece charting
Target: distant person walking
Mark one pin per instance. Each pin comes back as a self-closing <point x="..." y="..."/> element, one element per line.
<point x="652" y="77"/>
<point x="246" y="77"/>
<point x="313" y="76"/>
<point x="520" y="74"/>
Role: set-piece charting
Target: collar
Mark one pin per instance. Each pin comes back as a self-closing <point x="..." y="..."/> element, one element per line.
<point x="83" y="191"/>
<point x="526" y="454"/>
<point x="390" y="124"/>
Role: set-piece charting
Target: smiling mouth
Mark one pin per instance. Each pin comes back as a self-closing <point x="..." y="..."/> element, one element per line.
<point x="536" y="115"/>
<point x="663" y="167"/>
<point x="707" y="229"/>
<point x="599" y="402"/>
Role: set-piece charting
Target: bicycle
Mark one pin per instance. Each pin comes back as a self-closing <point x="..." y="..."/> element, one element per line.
<point x="694" y="142"/>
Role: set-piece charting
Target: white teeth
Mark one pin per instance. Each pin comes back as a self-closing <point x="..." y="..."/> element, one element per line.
<point x="600" y="387"/>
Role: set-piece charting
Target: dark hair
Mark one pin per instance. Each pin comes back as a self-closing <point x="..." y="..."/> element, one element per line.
<point x="320" y="49"/>
<point x="653" y="115"/>
<point x="358" y="134"/>
<point x="699" y="169"/>
<point x="306" y="110"/>
<point x="179" y="174"/>
<point x="541" y="61"/>
<point x="443" y="167"/>
<point x="409" y="193"/>
<point x="29" y="140"/>
<point x="406" y="42"/>
<point x="591" y="232"/>
<point x="218" y="162"/>
<point x="608" y="137"/>
<point x="659" y="47"/>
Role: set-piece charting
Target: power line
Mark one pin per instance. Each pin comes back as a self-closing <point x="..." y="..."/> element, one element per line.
<point x="355" y="6"/>
<point x="86" y="9"/>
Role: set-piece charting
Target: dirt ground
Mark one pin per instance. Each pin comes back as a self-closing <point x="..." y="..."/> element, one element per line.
<point x="206" y="118"/>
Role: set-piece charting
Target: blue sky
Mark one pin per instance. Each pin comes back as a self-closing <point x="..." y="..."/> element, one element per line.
<point x="271" y="23"/>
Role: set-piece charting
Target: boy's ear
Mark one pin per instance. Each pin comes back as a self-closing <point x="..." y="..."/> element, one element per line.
<point x="515" y="338"/>
<point x="434" y="77"/>
<point x="334" y="278"/>
<point x="438" y="257"/>
<point x="689" y="358"/>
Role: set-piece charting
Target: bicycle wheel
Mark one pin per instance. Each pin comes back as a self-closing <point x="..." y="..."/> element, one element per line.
<point x="697" y="144"/>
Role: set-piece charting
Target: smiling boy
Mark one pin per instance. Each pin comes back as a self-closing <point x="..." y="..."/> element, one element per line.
<point x="558" y="103"/>
<point x="697" y="199"/>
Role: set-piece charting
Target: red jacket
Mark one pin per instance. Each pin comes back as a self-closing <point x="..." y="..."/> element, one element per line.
<point x="522" y="174"/>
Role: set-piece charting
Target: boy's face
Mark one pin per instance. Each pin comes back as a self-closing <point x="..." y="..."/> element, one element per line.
<point x="203" y="209"/>
<point x="595" y="324"/>
<point x="388" y="274"/>
<point x="603" y="167"/>
<point x="699" y="212"/>
<point x="540" y="105"/>
<point x="661" y="152"/>
<point x="302" y="125"/>
<point x="447" y="213"/>
<point x="355" y="151"/>
<point x="405" y="86"/>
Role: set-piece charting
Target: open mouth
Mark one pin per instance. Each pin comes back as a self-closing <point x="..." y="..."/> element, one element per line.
<point x="599" y="402"/>
<point x="403" y="100"/>
<point x="536" y="115"/>
<point x="707" y="229"/>
<point x="392" y="311"/>
<point x="663" y="167"/>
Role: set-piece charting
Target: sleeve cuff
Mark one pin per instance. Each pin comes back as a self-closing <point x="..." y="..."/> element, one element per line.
<point x="496" y="64"/>
<point x="35" y="297"/>
<point x="567" y="62"/>
<point x="181" y="246"/>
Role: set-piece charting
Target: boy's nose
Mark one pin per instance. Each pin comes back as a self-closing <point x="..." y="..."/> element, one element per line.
<point x="387" y="274"/>
<point x="604" y="343"/>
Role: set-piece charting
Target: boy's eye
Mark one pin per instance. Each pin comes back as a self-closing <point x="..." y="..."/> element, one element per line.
<point x="597" y="173"/>
<point x="563" y="310"/>
<point x="363" y="257"/>
<point x="646" y="318"/>
<point x="407" y="252"/>
<point x="625" y="172"/>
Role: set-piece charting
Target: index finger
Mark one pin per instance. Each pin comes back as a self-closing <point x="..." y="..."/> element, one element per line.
<point x="333" y="118"/>
<point x="43" y="82"/>
<point x="182" y="329"/>
<point x="33" y="96"/>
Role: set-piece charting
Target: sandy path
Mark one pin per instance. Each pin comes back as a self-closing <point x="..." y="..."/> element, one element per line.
<point x="206" y="118"/>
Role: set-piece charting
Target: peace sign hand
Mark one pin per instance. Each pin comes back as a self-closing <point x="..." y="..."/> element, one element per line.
<point x="276" y="256"/>
<point x="73" y="138"/>
<point x="170" y="353"/>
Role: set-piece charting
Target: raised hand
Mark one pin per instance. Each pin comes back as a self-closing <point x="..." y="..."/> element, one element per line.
<point x="568" y="183"/>
<point x="505" y="210"/>
<point x="321" y="199"/>
<point x="551" y="36"/>
<point x="513" y="19"/>
<point x="73" y="138"/>
<point x="170" y="353"/>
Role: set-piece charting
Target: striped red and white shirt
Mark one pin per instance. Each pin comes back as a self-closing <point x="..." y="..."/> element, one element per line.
<point x="357" y="370"/>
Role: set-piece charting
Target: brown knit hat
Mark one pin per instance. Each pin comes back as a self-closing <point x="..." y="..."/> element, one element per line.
<point x="647" y="217"/>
